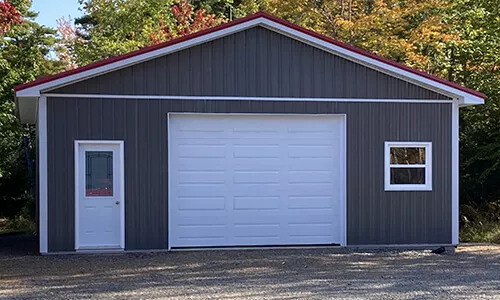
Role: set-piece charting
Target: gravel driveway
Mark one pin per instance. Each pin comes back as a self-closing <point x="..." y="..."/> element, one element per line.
<point x="472" y="273"/>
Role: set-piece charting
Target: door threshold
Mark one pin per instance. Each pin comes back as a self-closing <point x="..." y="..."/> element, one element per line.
<point x="113" y="249"/>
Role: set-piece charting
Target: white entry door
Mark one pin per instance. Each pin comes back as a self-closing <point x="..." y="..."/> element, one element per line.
<point x="99" y="195"/>
<point x="241" y="180"/>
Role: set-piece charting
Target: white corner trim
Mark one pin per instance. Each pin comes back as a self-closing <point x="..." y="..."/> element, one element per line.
<point x="428" y="167"/>
<point x="76" y="159"/>
<point x="343" y="210"/>
<point x="121" y="151"/>
<point x="227" y="98"/>
<point x="122" y="191"/>
<point x="455" y="176"/>
<point x="169" y="213"/>
<point x="467" y="98"/>
<point x="42" y="177"/>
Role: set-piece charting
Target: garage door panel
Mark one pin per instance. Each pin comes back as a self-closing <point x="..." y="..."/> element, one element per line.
<point x="254" y="180"/>
<point x="257" y="177"/>
<point x="201" y="218"/>
<point x="256" y="190"/>
<point x="201" y="177"/>
<point x="321" y="177"/>
<point x="304" y="190"/>
<point x="201" y="151"/>
<point x="207" y="165"/>
<point x="257" y="164"/>
<point x="257" y="230"/>
<point x="268" y="217"/>
<point x="311" y="151"/>
<point x="257" y="202"/>
<point x="201" y="232"/>
<point x="256" y="151"/>
<point x="307" y="229"/>
<point x="311" y="202"/>
<point x="203" y="135"/>
<point x="201" y="203"/>
<point x="271" y="141"/>
<point x="312" y="165"/>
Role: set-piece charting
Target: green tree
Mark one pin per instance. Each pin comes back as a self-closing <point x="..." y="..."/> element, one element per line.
<point x="110" y="28"/>
<point x="24" y="50"/>
<point x="476" y="63"/>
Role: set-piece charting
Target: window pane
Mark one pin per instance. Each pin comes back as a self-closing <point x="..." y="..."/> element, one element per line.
<point x="407" y="156"/>
<point x="99" y="173"/>
<point x="407" y="175"/>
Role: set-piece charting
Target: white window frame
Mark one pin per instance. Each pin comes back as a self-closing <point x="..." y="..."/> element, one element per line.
<point x="428" y="166"/>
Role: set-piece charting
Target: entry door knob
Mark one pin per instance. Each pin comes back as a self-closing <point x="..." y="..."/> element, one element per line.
<point x="117" y="202"/>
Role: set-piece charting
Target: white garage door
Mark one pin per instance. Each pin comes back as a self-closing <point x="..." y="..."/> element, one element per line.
<point x="241" y="180"/>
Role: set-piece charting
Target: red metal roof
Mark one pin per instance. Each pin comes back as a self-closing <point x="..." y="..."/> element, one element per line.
<point x="236" y="22"/>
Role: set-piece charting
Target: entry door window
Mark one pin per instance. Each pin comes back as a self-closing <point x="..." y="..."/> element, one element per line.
<point x="98" y="173"/>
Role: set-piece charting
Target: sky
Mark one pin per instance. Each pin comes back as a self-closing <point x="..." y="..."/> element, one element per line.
<point x="51" y="10"/>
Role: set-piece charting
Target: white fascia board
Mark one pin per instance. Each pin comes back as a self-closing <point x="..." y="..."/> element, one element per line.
<point x="470" y="100"/>
<point x="318" y="43"/>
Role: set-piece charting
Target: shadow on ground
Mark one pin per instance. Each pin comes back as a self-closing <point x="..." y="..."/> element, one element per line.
<point x="18" y="244"/>
<point x="473" y="272"/>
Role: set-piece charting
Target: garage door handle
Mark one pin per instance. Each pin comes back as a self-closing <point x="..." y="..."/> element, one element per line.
<point x="117" y="202"/>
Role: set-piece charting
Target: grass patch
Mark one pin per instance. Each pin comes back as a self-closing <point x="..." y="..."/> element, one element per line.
<point x="480" y="224"/>
<point x="481" y="233"/>
<point x="19" y="224"/>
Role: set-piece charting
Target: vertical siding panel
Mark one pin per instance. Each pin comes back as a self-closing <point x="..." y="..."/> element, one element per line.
<point x="229" y="66"/>
<point x="144" y="211"/>
<point x="307" y="57"/>
<point x="317" y="73"/>
<point x="250" y="63"/>
<point x="262" y="79"/>
<point x="173" y="74"/>
<point x="195" y="80"/>
<point x="296" y="69"/>
<point x="286" y="65"/>
<point x="184" y="73"/>
<point x="69" y="181"/>
<point x="331" y="84"/>
<point x="274" y="50"/>
<point x="131" y="224"/>
<point x="206" y="69"/>
<point x="107" y="120"/>
<point x="240" y="64"/>
<point x="149" y="80"/>
<point x="212" y="60"/>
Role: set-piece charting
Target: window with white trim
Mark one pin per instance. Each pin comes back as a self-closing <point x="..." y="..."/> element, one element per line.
<point x="408" y="166"/>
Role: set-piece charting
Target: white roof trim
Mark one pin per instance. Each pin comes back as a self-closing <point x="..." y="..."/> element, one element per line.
<point x="463" y="97"/>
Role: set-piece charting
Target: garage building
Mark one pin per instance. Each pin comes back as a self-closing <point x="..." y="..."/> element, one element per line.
<point x="253" y="133"/>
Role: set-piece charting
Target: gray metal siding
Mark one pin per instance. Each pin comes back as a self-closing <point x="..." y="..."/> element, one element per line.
<point x="374" y="216"/>
<point x="255" y="63"/>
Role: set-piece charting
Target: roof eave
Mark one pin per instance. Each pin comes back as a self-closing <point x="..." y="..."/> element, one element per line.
<point x="469" y="100"/>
